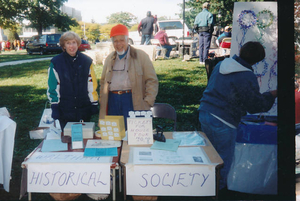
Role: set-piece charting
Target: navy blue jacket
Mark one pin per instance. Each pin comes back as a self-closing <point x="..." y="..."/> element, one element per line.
<point x="70" y="86"/>
<point x="233" y="90"/>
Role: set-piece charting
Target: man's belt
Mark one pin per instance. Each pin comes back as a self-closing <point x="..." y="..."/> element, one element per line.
<point x="121" y="92"/>
<point x="203" y="29"/>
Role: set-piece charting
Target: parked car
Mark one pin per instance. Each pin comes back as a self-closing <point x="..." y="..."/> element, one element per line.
<point x="84" y="45"/>
<point x="44" y="44"/>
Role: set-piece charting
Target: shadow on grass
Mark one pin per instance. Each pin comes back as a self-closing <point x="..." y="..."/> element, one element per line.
<point x="26" y="105"/>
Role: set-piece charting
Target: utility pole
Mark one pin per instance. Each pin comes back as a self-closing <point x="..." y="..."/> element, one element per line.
<point x="183" y="17"/>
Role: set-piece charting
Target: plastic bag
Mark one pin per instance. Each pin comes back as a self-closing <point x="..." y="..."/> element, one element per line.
<point x="254" y="169"/>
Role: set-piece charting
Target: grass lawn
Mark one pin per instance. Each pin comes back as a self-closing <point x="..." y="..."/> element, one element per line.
<point x="23" y="92"/>
<point x="20" y="55"/>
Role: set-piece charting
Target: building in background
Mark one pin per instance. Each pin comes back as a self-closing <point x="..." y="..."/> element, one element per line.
<point x="2" y="36"/>
<point x="28" y="32"/>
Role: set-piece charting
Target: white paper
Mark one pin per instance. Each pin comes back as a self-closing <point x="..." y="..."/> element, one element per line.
<point x="53" y="133"/>
<point x="175" y="180"/>
<point x="183" y="155"/>
<point x="254" y="14"/>
<point x="102" y="144"/>
<point x="69" y="177"/>
<point x="46" y="119"/>
<point x="140" y="131"/>
<point x="65" y="157"/>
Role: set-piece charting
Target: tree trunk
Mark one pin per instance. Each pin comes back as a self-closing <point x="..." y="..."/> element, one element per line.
<point x="40" y="30"/>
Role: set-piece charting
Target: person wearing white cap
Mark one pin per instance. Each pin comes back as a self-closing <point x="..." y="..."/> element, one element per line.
<point x="225" y="34"/>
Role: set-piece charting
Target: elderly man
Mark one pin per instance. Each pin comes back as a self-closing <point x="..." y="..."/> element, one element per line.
<point x="128" y="80"/>
<point x="204" y="26"/>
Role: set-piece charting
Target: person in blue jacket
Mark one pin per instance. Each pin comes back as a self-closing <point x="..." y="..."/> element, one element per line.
<point x="232" y="91"/>
<point x="72" y="83"/>
<point x="204" y="26"/>
<point x="225" y="34"/>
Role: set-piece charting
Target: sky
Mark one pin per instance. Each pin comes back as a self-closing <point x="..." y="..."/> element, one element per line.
<point x="100" y="9"/>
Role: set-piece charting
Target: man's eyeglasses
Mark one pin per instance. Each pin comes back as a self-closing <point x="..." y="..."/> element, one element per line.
<point x="124" y="65"/>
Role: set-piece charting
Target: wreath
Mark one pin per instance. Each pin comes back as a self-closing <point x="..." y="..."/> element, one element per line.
<point x="264" y="19"/>
<point x="247" y="19"/>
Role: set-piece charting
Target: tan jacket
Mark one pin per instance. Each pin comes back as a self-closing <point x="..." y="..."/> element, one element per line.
<point x="142" y="77"/>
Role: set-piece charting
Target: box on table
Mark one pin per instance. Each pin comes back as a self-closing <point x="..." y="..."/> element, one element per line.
<point x="112" y="128"/>
<point x="39" y="133"/>
<point x="43" y="128"/>
<point x="88" y="129"/>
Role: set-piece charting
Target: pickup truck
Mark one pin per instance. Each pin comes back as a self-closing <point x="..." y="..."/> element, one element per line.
<point x="174" y="30"/>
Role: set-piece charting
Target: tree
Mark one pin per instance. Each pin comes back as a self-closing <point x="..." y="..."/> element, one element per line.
<point x="93" y="31"/>
<point x="222" y="10"/>
<point x="105" y="31"/>
<point x="45" y="13"/>
<point x="122" y="18"/>
<point x="134" y="27"/>
<point x="11" y="13"/>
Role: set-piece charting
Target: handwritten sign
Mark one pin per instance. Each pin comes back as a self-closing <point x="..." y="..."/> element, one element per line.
<point x="139" y="128"/>
<point x="68" y="177"/>
<point x="178" y="180"/>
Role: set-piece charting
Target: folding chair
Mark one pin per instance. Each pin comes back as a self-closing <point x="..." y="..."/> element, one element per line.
<point x="160" y="51"/>
<point x="225" y="46"/>
<point x="165" y="111"/>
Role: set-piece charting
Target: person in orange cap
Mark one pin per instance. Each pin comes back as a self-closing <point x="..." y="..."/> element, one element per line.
<point x="128" y="81"/>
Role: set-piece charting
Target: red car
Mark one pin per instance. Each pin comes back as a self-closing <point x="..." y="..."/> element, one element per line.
<point x="84" y="46"/>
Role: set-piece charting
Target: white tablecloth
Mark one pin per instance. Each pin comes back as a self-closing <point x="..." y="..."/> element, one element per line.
<point x="7" y="139"/>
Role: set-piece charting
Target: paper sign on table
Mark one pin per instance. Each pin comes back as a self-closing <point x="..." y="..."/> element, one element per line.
<point x="139" y="127"/>
<point x="95" y="148"/>
<point x="102" y="144"/>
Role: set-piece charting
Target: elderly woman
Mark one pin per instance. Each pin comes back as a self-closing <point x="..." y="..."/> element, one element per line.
<point x="72" y="83"/>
